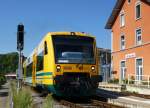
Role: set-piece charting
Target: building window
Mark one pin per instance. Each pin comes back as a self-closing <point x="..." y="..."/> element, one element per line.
<point x="138" y="36"/>
<point x="112" y="41"/>
<point x="139" y="69"/>
<point x="122" y="19"/>
<point x="123" y="70"/>
<point x="122" y="42"/>
<point x="129" y="1"/>
<point x="138" y="10"/>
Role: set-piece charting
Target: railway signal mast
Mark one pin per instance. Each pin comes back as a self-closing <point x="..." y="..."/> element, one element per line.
<point x="20" y="46"/>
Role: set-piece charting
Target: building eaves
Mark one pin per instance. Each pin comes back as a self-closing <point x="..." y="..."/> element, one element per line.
<point x="146" y="1"/>
<point x="114" y="14"/>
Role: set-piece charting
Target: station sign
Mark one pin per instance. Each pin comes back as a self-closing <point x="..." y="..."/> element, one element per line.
<point x="131" y="55"/>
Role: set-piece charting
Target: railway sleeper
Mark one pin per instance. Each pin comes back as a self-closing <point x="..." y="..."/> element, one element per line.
<point x="105" y="104"/>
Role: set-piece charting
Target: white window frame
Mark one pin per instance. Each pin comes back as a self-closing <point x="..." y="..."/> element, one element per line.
<point x="122" y="18"/>
<point x="120" y="69"/>
<point x="111" y="41"/>
<point x="136" y="66"/>
<point x="121" y="46"/>
<point x="137" y="43"/>
<point x="136" y="4"/>
<point x="112" y="64"/>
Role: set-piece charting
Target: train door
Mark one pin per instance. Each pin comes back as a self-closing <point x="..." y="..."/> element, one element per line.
<point x="34" y="70"/>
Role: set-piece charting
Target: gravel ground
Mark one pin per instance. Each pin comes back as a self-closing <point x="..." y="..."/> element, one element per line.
<point x="4" y="96"/>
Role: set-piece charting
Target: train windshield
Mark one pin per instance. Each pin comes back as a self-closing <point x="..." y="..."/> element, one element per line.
<point x="74" y="49"/>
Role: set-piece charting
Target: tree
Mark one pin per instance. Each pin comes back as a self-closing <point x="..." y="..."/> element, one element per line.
<point x="8" y="62"/>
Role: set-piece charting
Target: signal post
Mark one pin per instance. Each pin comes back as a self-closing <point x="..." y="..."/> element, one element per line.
<point x="20" y="45"/>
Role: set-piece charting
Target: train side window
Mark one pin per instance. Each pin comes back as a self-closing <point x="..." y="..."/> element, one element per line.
<point x="29" y="70"/>
<point x="45" y="48"/>
<point x="23" y="70"/>
<point x="40" y="61"/>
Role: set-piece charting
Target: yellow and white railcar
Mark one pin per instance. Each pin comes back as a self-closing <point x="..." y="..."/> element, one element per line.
<point x="64" y="63"/>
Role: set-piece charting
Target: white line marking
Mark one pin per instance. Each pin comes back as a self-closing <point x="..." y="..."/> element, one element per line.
<point x="135" y="100"/>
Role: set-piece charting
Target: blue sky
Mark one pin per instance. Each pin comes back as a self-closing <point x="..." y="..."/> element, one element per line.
<point x="42" y="16"/>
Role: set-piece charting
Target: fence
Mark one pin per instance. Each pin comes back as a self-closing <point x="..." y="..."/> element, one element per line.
<point x="139" y="80"/>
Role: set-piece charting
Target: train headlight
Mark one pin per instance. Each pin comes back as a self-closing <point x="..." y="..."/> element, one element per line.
<point x="93" y="68"/>
<point x="58" y="68"/>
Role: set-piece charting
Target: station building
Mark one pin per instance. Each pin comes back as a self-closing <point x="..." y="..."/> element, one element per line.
<point x="129" y="23"/>
<point x="10" y="76"/>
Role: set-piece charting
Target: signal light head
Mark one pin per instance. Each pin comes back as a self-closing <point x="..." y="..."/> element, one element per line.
<point x="20" y="37"/>
<point x="20" y="28"/>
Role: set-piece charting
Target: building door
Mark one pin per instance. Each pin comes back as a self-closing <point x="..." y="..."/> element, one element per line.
<point x="123" y="71"/>
<point x="139" y="69"/>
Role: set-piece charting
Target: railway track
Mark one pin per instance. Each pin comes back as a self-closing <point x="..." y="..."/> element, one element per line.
<point x="95" y="102"/>
<point x="92" y="104"/>
<point x="101" y="100"/>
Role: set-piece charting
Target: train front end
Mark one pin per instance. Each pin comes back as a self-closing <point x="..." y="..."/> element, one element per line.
<point x="76" y="65"/>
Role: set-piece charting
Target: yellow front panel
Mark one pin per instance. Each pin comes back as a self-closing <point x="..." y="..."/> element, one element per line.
<point x="76" y="68"/>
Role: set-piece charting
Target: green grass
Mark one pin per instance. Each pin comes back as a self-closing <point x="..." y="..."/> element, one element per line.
<point x="48" y="103"/>
<point x="22" y="98"/>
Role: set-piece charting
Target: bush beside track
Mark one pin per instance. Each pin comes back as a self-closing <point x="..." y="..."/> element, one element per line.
<point x="2" y="79"/>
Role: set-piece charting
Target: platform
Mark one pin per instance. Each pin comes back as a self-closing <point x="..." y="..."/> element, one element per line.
<point x="129" y="88"/>
<point x="125" y="100"/>
<point x="110" y="87"/>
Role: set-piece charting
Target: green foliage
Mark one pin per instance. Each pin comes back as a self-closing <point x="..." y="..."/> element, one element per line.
<point x="132" y="80"/>
<point x="114" y="81"/>
<point x="22" y="98"/>
<point x="125" y="81"/>
<point x="8" y="62"/>
<point x="2" y="79"/>
<point x="48" y="102"/>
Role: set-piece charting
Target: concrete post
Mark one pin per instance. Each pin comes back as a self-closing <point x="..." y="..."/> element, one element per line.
<point x="148" y="80"/>
<point x="128" y="79"/>
<point x="19" y="72"/>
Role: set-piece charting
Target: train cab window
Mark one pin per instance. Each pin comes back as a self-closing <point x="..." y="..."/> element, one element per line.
<point x="40" y="61"/>
<point x="74" y="49"/>
<point x="45" y="48"/>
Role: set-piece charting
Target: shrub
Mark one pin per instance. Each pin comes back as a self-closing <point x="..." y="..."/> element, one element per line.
<point x="132" y="80"/>
<point x="125" y="81"/>
<point x="114" y="81"/>
<point x="2" y="79"/>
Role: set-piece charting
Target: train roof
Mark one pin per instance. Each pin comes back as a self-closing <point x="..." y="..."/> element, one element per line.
<point x="70" y="33"/>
